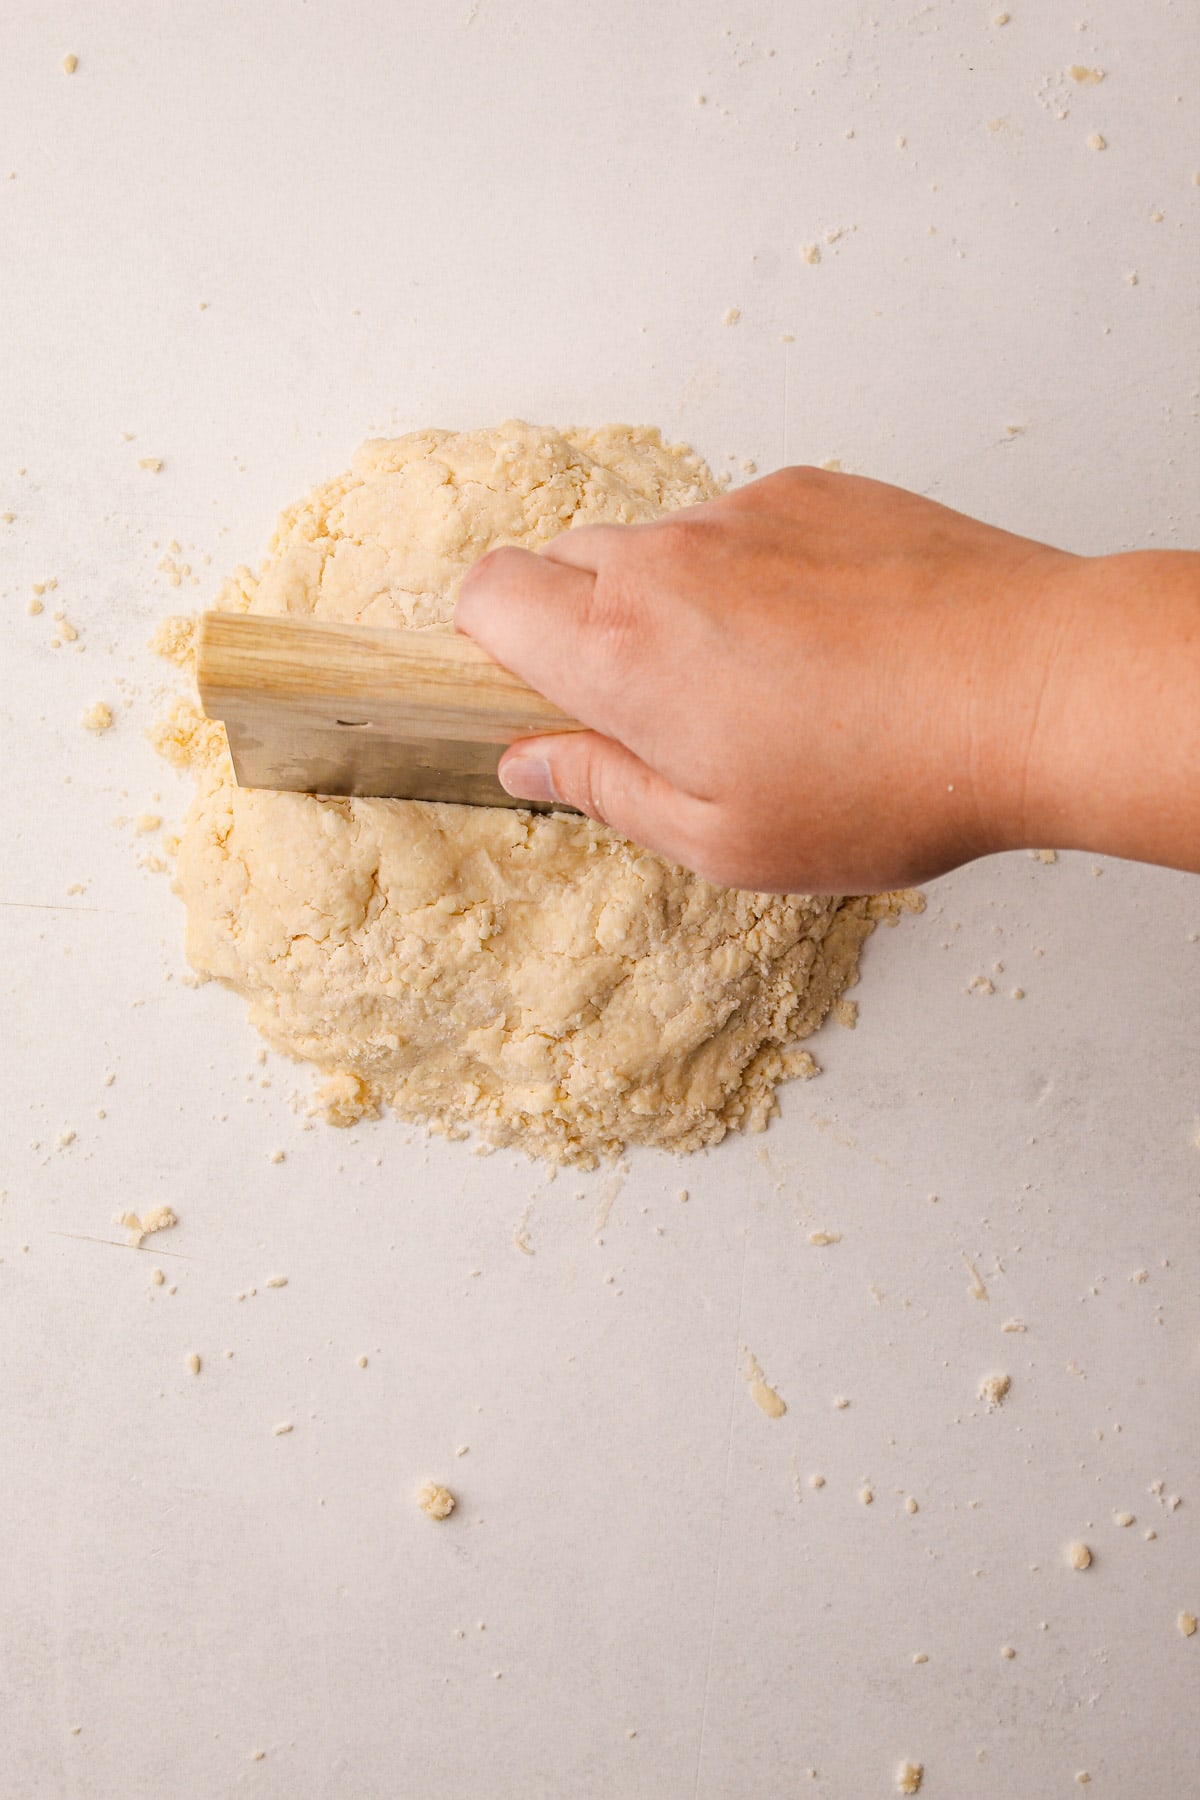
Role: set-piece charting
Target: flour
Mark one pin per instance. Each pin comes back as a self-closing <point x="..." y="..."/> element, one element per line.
<point x="534" y="979"/>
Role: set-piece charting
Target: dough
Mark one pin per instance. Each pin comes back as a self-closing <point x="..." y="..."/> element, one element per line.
<point x="535" y="979"/>
<point x="437" y="1501"/>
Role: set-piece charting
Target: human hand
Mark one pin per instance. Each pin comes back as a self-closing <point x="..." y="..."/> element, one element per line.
<point x="817" y="683"/>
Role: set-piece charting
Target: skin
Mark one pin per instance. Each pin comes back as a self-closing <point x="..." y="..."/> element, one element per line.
<point x="824" y="684"/>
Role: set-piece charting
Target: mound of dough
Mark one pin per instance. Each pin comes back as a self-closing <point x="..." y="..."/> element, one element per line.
<point x="535" y="979"/>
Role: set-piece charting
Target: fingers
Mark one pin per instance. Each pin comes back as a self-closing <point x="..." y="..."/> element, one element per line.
<point x="587" y="546"/>
<point x="522" y="608"/>
<point x="611" y="785"/>
<point x="578" y="633"/>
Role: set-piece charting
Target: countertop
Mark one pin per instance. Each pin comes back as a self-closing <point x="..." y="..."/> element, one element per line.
<point x="237" y="240"/>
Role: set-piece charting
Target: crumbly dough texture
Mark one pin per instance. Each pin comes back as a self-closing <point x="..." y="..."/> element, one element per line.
<point x="534" y="979"/>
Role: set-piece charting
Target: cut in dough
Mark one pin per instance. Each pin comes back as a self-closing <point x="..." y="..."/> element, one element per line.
<point x="535" y="979"/>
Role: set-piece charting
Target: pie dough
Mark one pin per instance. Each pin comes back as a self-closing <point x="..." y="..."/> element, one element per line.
<point x="534" y="979"/>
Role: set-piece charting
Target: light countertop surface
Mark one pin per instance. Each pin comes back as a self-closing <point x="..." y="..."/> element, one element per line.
<point x="239" y="239"/>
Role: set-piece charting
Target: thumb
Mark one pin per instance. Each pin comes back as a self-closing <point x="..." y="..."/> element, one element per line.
<point x="611" y="785"/>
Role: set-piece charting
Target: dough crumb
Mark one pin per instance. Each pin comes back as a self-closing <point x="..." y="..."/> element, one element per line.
<point x="811" y="253"/>
<point x="277" y="1156"/>
<point x="977" y="1290"/>
<point x="98" y="717"/>
<point x="157" y="1277"/>
<point x="1124" y="1519"/>
<point x="70" y="63"/>
<point x="185" y="738"/>
<point x="1096" y="142"/>
<point x="816" y="1481"/>
<point x="1079" y="1556"/>
<point x="865" y="1495"/>
<point x="1139" y="1276"/>
<point x="175" y="639"/>
<point x="361" y="1361"/>
<point x="159" y="1218"/>
<point x="282" y="1429"/>
<point x="437" y="1502"/>
<point x="193" y="1363"/>
<point x="910" y="1505"/>
<point x="1085" y="77"/>
<point x="994" y="1389"/>
<point x="1001" y="18"/>
<point x="345" y="1100"/>
<point x="764" y="1397"/>
<point x="845" y="1013"/>
<point x="520" y="1235"/>
<point x="276" y="1281"/>
<point x="153" y="463"/>
<point x="731" y="315"/>
<point x="146" y="822"/>
<point x="822" y="1238"/>
<point x="1044" y="856"/>
<point x="1187" y="1623"/>
<point x="1007" y="1652"/>
<point x="920" y="1657"/>
<point x="1014" y="1325"/>
<point x="909" y="1777"/>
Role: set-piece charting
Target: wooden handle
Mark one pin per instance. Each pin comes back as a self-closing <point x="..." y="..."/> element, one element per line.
<point x="317" y="708"/>
<point x="423" y="684"/>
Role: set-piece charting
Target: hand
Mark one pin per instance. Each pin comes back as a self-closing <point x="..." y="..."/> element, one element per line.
<point x="817" y="683"/>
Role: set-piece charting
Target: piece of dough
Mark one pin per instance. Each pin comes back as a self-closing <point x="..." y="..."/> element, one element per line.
<point x="536" y="979"/>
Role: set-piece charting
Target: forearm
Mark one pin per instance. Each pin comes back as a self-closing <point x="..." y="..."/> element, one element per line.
<point x="1113" y="756"/>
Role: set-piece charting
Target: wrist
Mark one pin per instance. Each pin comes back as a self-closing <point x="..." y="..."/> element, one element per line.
<point x="1031" y="634"/>
<point x="1102" y="746"/>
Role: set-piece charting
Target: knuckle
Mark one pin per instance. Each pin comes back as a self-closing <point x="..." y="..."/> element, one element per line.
<point x="612" y="618"/>
<point x="501" y="565"/>
<point x="483" y="579"/>
<point x="800" y="479"/>
<point x="686" y="536"/>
